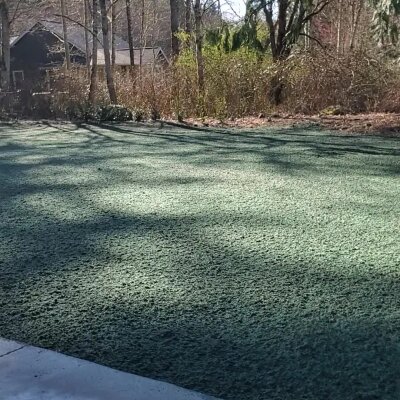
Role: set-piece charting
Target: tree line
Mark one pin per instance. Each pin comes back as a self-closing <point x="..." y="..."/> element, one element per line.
<point x="277" y="29"/>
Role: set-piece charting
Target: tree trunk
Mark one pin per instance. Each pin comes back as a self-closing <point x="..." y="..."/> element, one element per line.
<point x="281" y="41"/>
<point x="276" y="89"/>
<point x="142" y="23"/>
<point x="199" y="46"/>
<point x="130" y="34"/>
<point x="65" y="34"/>
<point x="87" y="49"/>
<point x="307" y="31"/>
<point x="268" y="11"/>
<point x="357" y="11"/>
<point x="106" y="48"/>
<point x="93" y="73"/>
<point x="339" y="28"/>
<point x="113" y="32"/>
<point x="5" y="46"/>
<point x="174" y="6"/>
<point x="188" y="16"/>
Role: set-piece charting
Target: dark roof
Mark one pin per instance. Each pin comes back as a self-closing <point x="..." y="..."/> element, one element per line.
<point x="76" y="35"/>
<point x="148" y="55"/>
<point x="13" y="39"/>
<point x="76" y="38"/>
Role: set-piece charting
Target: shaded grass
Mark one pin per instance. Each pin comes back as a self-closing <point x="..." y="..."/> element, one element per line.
<point x="247" y="265"/>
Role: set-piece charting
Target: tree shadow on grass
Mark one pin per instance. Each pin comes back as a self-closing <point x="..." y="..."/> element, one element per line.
<point x="313" y="139"/>
<point x="290" y="150"/>
<point x="243" y="295"/>
<point x="204" y="315"/>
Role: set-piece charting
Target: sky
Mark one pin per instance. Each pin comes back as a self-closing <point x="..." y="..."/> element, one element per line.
<point x="233" y="8"/>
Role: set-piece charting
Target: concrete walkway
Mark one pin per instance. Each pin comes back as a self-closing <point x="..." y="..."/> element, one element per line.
<point x="31" y="373"/>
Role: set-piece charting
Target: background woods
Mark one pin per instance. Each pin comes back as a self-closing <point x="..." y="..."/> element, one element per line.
<point x="199" y="57"/>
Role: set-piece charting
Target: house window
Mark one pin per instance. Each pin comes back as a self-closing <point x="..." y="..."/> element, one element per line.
<point x="18" y="79"/>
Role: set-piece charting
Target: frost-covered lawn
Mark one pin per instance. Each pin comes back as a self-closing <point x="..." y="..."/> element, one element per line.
<point x="249" y="265"/>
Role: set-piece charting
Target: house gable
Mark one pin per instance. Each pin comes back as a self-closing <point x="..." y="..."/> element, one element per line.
<point x="33" y="52"/>
<point x="42" y="48"/>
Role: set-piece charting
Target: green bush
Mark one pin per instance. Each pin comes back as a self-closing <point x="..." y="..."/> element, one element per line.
<point x="139" y="115"/>
<point x="81" y="111"/>
<point x="114" y="113"/>
<point x="235" y="82"/>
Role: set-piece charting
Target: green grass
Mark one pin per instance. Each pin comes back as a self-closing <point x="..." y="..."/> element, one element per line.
<point x="247" y="265"/>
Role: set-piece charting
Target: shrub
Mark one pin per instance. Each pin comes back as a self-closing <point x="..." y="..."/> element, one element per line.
<point x="80" y="111"/>
<point x="356" y="82"/>
<point x="115" y="113"/>
<point x="139" y="115"/>
<point x="237" y="83"/>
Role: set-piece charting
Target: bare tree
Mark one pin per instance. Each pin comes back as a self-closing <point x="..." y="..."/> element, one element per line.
<point x="286" y="21"/>
<point x="5" y="46"/>
<point x="200" y="9"/>
<point x="93" y="72"/>
<point x="106" y="48"/>
<point x="65" y="34"/>
<point x="339" y="34"/>
<point x="174" y="6"/>
<point x="198" y="14"/>
<point x="130" y="33"/>
<point x="113" y="31"/>
<point x="188" y="16"/>
<point x="86" y="23"/>
<point x="357" y="7"/>
<point x="142" y="33"/>
<point x="343" y="24"/>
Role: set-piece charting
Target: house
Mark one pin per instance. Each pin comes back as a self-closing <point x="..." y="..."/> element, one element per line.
<point x="40" y="49"/>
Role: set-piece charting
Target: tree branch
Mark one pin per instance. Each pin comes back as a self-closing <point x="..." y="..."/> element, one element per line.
<point x="13" y="18"/>
<point x="78" y="23"/>
<point x="317" y="10"/>
<point x="312" y="38"/>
